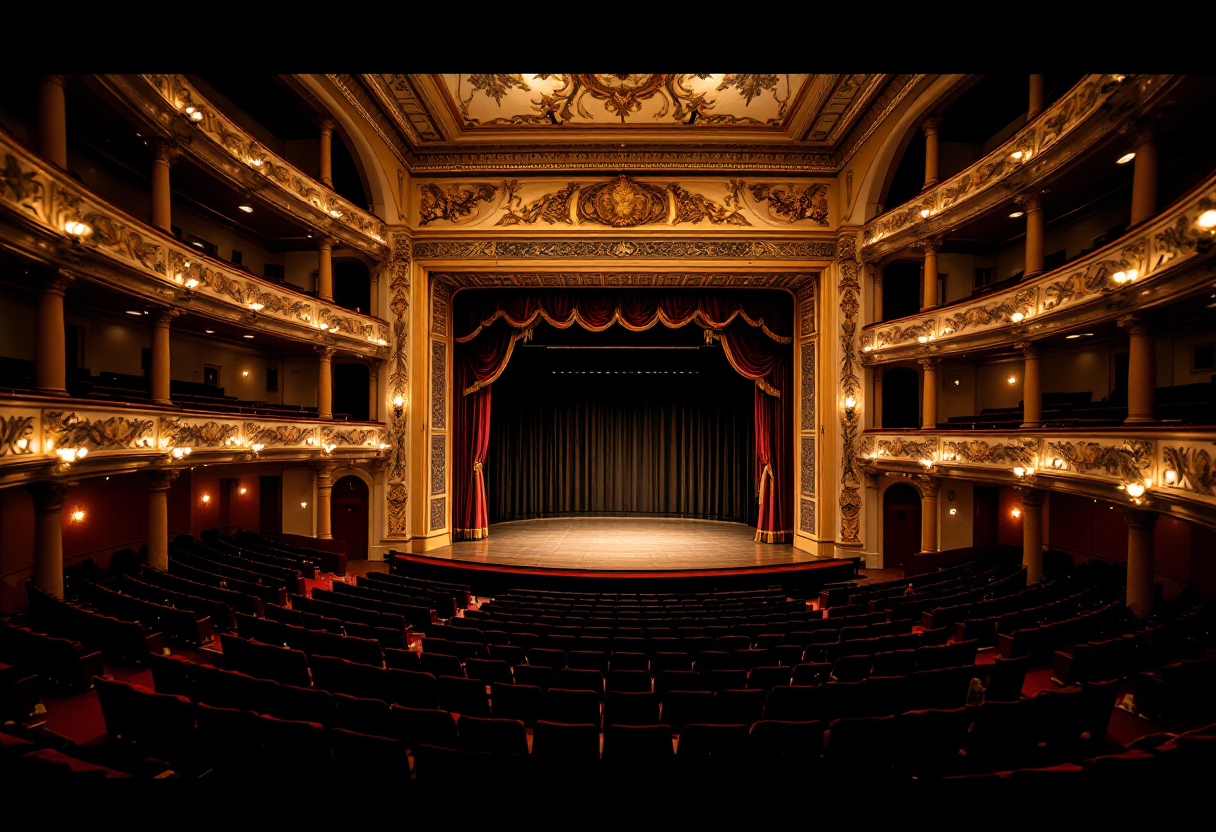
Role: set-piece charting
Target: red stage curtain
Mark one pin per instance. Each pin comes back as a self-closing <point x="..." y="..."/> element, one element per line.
<point x="750" y="330"/>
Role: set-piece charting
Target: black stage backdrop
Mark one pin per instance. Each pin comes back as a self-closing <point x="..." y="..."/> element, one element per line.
<point x="595" y="423"/>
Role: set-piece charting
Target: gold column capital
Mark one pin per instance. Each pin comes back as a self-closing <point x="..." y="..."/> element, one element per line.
<point x="160" y="479"/>
<point x="49" y="494"/>
<point x="1140" y="519"/>
<point x="931" y="125"/>
<point x="1031" y="200"/>
<point x="164" y="317"/>
<point x="164" y="150"/>
<point x="325" y="122"/>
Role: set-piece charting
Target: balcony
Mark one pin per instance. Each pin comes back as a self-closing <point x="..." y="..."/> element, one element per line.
<point x="55" y="219"/>
<point x="44" y="437"/>
<point x="169" y="104"/>
<point x="1164" y="469"/>
<point x="1078" y="121"/>
<point x="1162" y="261"/>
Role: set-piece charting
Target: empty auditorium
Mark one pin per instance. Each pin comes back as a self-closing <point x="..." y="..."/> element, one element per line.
<point x="778" y="436"/>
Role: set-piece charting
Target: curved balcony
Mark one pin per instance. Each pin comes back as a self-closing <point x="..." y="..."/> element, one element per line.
<point x="117" y="250"/>
<point x="1159" y="262"/>
<point x="45" y="439"/>
<point x="169" y="104"/>
<point x="1068" y="128"/>
<point x="1167" y="470"/>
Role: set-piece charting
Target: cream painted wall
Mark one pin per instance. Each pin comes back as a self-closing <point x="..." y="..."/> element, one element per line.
<point x="960" y="274"/>
<point x="955" y="531"/>
<point x="298" y="381"/>
<point x="300" y="269"/>
<point x="992" y="387"/>
<point x="298" y="488"/>
<point x="957" y="400"/>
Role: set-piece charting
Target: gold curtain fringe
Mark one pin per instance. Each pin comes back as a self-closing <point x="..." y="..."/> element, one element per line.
<point x="784" y="536"/>
<point x="501" y="367"/>
<point x="768" y="388"/>
<point x="659" y="317"/>
<point x="470" y="534"/>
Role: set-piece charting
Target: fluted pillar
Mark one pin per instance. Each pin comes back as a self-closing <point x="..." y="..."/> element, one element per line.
<point x="1032" y="534"/>
<point x="164" y="154"/>
<point x="373" y="304"/>
<point x="1141" y="588"/>
<point x="325" y="487"/>
<point x="159" y="483"/>
<point x="325" y="383"/>
<point x="48" y="535"/>
<point x="327" y="136"/>
<point x="1036" y="97"/>
<point x="373" y="392"/>
<point x="928" y="515"/>
<point x="1032" y="388"/>
<point x="931" y="126"/>
<point x="876" y="407"/>
<point x="1033" y="205"/>
<point x="1144" y="179"/>
<point x="160" y="355"/>
<point x="50" y="359"/>
<point x="1141" y="373"/>
<point x="325" y="274"/>
<point x="929" y="272"/>
<point x="52" y="120"/>
<point x="929" y="399"/>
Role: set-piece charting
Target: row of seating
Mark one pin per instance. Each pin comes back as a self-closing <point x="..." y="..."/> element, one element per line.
<point x="246" y="568"/>
<point x="306" y="565"/>
<point x="60" y="662"/>
<point x="180" y="624"/>
<point x="220" y="577"/>
<point x="1043" y="640"/>
<point x="118" y="640"/>
<point x="332" y="562"/>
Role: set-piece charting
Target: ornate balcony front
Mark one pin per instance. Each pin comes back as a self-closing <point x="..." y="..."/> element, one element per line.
<point x="169" y="104"/>
<point x="52" y="218"/>
<point x="1167" y="470"/>
<point x="1160" y="262"/>
<point x="64" y="438"/>
<point x="1079" y="120"/>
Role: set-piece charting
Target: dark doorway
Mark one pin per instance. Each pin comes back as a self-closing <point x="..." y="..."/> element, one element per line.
<point x="353" y="286"/>
<point x="900" y="526"/>
<point x="348" y="515"/>
<point x="984" y="525"/>
<point x="351" y="392"/>
<point x="900" y="398"/>
<point x="901" y="292"/>
<point x="228" y="486"/>
<point x="270" y="491"/>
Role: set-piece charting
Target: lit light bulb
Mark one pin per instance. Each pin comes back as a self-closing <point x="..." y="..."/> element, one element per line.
<point x="923" y="339"/>
<point x="77" y="228"/>
<point x="1125" y="158"/>
<point x="1135" y="489"/>
<point x="1171" y="476"/>
<point x="1017" y="154"/>
<point x="77" y="515"/>
<point x="206" y="498"/>
<point x="1012" y="379"/>
<point x="243" y="490"/>
<point x="383" y="446"/>
<point x="1019" y="471"/>
<point x="850" y="403"/>
<point x="303" y="505"/>
<point x="382" y="342"/>
<point x="398" y="401"/>
<point x="1017" y="317"/>
<point x="867" y="348"/>
<point x="257" y="447"/>
<point x="924" y="213"/>
<point x="953" y="512"/>
<point x="928" y="463"/>
<point x="1017" y="512"/>
<point x="1207" y="219"/>
<point x="257" y="307"/>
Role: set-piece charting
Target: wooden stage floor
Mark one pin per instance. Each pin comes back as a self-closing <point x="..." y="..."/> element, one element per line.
<point x="607" y="544"/>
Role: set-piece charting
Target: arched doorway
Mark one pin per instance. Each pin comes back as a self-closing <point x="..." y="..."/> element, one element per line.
<point x="900" y="526"/>
<point x="900" y="398"/>
<point x="348" y="515"/>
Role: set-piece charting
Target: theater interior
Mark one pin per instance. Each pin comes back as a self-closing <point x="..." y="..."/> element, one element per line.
<point x="813" y="430"/>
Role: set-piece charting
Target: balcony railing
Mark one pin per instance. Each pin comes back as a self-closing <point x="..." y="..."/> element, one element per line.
<point x="1064" y="130"/>
<point x="40" y="440"/>
<point x="1162" y="468"/>
<point x="1144" y="267"/>
<point x="172" y="272"/>
<point x="171" y="103"/>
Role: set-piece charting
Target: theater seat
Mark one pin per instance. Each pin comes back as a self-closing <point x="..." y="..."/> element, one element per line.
<point x="466" y="697"/>
<point x="621" y="708"/>
<point x="416" y="727"/>
<point x="637" y="744"/>
<point x="566" y="741"/>
<point x="500" y="736"/>
<point x="682" y="708"/>
<point x="701" y="740"/>
<point x="573" y="707"/>
<point x="368" y="755"/>
<point x="782" y="739"/>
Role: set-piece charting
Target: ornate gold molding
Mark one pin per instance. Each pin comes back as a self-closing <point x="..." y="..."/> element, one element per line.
<point x="622" y="249"/>
<point x="848" y="296"/>
<point x="794" y="281"/>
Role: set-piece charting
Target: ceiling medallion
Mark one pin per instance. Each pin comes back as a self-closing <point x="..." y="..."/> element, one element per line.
<point x="622" y="203"/>
<point x="622" y="94"/>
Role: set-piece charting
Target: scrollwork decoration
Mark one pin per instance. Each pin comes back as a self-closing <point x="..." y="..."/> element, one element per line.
<point x="453" y="203"/>
<point x="114" y="433"/>
<point x="180" y="433"/>
<point x="1127" y="461"/>
<point x="14" y="429"/>
<point x="1194" y="469"/>
<point x="792" y="203"/>
<point x="1022" y="452"/>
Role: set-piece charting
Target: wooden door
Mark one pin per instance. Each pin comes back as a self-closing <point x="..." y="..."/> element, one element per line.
<point x="900" y="526"/>
<point x="348" y="515"/>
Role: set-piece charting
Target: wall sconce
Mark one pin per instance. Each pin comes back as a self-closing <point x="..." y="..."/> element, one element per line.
<point x="1207" y="220"/>
<point x="194" y="114"/>
<point x="1171" y="476"/>
<point x="257" y="307"/>
<point x="77" y="515"/>
<point x="303" y="505"/>
<point x="923" y="339"/>
<point x="256" y="447"/>
<point x="69" y="455"/>
<point x="23" y="444"/>
<point x="242" y="490"/>
<point x="384" y="446"/>
<point x="1012" y="379"/>
<point x="398" y="405"/>
<point x="178" y="453"/>
<point x="381" y="342"/>
<point x="867" y="348"/>
<point x="77" y="229"/>
<point x="1019" y="472"/>
<point x="245" y="373"/>
<point x="1125" y="277"/>
<point x="1016" y="512"/>
<point x="953" y="512"/>
<point x="850" y="404"/>
<point x="927" y="463"/>
<point x="206" y="498"/>
<point x="329" y="449"/>
<point x="1017" y="317"/>
<point x="191" y="282"/>
<point x="924" y="213"/>
<point x="1016" y="155"/>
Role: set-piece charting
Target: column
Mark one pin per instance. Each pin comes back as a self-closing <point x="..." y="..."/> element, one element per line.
<point x="1141" y="588"/>
<point x="164" y="154"/>
<point x="325" y="383"/>
<point x="160" y="355"/>
<point x="50" y="361"/>
<point x="1036" y="97"/>
<point x="930" y="126"/>
<point x="1144" y="179"/>
<point x="876" y="407"/>
<point x="48" y="535"/>
<point x="928" y="514"/>
<point x="373" y="307"/>
<point x="929" y="405"/>
<point x="929" y="274"/>
<point x="1032" y="534"/>
<point x="373" y="391"/>
<point x="159" y="483"/>
<point x="325" y="276"/>
<point x="52" y="120"/>
<point x="1141" y="373"/>
<point x="876" y="282"/>
<point x="1033" y="204"/>
<point x="325" y="487"/>
<point x="1032" y="388"/>
<point x="327" y="135"/>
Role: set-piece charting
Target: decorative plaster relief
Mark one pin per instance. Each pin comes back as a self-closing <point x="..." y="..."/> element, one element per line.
<point x="807" y="467"/>
<point x="439" y="513"/>
<point x="101" y="434"/>
<point x="438" y="463"/>
<point x="808" y="386"/>
<point x="1193" y="467"/>
<point x="806" y="517"/>
<point x="439" y="384"/>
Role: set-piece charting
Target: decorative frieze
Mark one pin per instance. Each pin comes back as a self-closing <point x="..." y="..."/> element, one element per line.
<point x="798" y="282"/>
<point x="398" y="516"/>
<point x="1127" y="460"/>
<point x="807" y="467"/>
<point x="1003" y="452"/>
<point x="807" y="421"/>
<point x="439" y="384"/>
<point x="399" y="267"/>
<point x="349" y="436"/>
<point x="100" y="434"/>
<point x="271" y="436"/>
<point x="16" y="435"/>
<point x="439" y="513"/>
<point x="1192" y="467"/>
<point x="179" y="433"/>
<point x="439" y="458"/>
<point x="622" y="249"/>
<point x="849" y="386"/>
<point x="806" y="516"/>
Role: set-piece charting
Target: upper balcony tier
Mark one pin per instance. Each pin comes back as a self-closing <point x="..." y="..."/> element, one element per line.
<point x="1159" y="262"/>
<point x="1162" y="469"/>
<point x="170" y="106"/>
<point x="45" y="438"/>
<point x="52" y="218"/>
<point x="1079" y="120"/>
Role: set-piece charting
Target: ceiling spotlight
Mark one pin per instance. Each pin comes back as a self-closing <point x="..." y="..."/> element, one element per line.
<point x="197" y="244"/>
<point x="133" y="312"/>
<point x="246" y="336"/>
<point x="1017" y="214"/>
<point x="1079" y="335"/>
<point x="246" y="208"/>
<point x="209" y="331"/>
<point x="1125" y="158"/>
